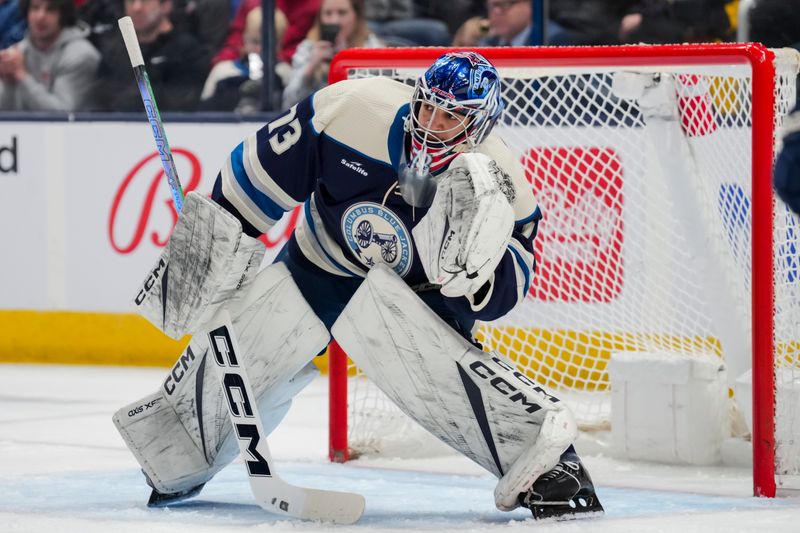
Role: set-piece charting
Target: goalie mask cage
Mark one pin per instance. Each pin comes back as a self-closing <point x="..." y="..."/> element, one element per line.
<point x="661" y="233"/>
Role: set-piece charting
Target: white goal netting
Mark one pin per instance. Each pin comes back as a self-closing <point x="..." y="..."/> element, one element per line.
<point x="646" y="240"/>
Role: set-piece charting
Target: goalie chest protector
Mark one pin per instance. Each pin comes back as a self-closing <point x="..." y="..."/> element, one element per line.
<point x="350" y="144"/>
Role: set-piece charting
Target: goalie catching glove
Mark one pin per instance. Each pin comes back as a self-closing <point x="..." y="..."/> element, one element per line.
<point x="464" y="234"/>
<point x="208" y="259"/>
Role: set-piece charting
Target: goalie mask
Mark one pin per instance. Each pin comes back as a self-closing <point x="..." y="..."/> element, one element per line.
<point x="453" y="109"/>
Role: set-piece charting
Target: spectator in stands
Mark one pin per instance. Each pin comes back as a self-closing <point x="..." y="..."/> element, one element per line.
<point x="207" y="20"/>
<point x="587" y="22"/>
<point x="397" y="23"/>
<point x="677" y="21"/>
<point x="345" y="20"/>
<point x="53" y="67"/>
<point x="101" y="16"/>
<point x="509" y="23"/>
<point x="12" y="23"/>
<point x="472" y="32"/>
<point x="177" y="64"/>
<point x="454" y="13"/>
<point x="234" y="85"/>
<point x="300" y="14"/>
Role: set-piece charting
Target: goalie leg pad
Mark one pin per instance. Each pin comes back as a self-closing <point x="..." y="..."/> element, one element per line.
<point x="476" y="402"/>
<point x="207" y="260"/>
<point x="153" y="432"/>
<point x="169" y="456"/>
<point x="188" y="438"/>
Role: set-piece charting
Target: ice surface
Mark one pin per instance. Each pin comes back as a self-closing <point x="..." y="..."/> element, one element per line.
<point x="63" y="467"/>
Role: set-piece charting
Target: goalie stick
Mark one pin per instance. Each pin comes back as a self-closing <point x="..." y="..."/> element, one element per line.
<point x="271" y="492"/>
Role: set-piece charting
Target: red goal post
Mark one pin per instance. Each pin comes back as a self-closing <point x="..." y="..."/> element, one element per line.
<point x="759" y="117"/>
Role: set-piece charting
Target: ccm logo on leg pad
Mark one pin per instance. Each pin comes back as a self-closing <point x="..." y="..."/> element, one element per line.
<point x="508" y="381"/>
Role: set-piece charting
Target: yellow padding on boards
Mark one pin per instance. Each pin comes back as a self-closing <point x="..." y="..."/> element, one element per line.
<point x="578" y="360"/>
<point x="560" y="358"/>
<point x="66" y="337"/>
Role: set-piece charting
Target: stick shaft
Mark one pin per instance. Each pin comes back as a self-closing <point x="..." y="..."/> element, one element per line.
<point x="150" y="107"/>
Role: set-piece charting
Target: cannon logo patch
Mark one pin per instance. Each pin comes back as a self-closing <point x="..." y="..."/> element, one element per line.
<point x="376" y="235"/>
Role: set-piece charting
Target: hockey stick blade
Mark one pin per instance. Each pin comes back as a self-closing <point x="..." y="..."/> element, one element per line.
<point x="280" y="497"/>
<point x="271" y="492"/>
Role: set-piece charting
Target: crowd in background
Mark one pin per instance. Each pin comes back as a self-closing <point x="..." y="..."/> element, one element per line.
<point x="205" y="55"/>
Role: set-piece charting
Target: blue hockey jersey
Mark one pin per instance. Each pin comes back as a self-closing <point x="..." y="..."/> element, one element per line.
<point x="337" y="153"/>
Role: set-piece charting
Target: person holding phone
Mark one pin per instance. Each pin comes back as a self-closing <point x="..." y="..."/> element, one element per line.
<point x="339" y="24"/>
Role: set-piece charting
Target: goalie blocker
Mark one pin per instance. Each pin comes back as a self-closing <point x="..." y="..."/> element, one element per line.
<point x="207" y="261"/>
<point x="476" y="402"/>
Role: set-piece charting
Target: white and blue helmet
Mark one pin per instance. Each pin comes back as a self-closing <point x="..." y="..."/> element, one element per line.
<point x="464" y="83"/>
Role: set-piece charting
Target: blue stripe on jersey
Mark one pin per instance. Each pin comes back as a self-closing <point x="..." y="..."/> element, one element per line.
<point x="312" y="112"/>
<point x="397" y="135"/>
<point x="264" y="202"/>
<point x="536" y="215"/>
<point x="310" y="222"/>
<point x="524" y="268"/>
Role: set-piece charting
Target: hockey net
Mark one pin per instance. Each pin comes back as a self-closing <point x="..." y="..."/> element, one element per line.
<point x="650" y="243"/>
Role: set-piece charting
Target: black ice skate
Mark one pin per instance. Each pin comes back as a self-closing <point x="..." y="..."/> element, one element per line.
<point x="160" y="499"/>
<point x="564" y="492"/>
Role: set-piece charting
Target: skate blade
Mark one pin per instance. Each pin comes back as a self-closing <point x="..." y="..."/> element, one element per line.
<point x="571" y="510"/>
<point x="158" y="499"/>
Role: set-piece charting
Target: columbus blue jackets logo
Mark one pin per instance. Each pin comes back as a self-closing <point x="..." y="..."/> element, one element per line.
<point x="377" y="235"/>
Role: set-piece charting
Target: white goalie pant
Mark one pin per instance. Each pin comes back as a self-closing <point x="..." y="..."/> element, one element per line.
<point x="476" y="402"/>
<point x="181" y="435"/>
